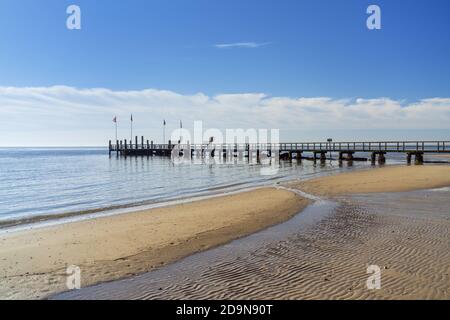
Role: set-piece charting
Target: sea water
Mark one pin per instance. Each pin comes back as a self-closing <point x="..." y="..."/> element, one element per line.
<point x="38" y="182"/>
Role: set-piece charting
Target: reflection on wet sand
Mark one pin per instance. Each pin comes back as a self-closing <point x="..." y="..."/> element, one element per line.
<point x="322" y="253"/>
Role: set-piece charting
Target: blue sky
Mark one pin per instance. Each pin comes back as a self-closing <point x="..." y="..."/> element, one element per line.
<point x="316" y="48"/>
<point x="295" y="49"/>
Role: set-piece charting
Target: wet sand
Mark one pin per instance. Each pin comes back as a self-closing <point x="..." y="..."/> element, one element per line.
<point x="443" y="156"/>
<point x="406" y="235"/>
<point x="325" y="259"/>
<point x="33" y="263"/>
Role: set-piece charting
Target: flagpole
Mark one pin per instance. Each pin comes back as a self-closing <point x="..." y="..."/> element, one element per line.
<point x="115" y="122"/>
<point x="131" y="127"/>
<point x="164" y="132"/>
<point x="116" y="128"/>
<point x="181" y="127"/>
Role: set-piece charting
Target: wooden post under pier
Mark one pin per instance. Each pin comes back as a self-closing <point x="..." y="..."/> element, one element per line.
<point x="381" y="157"/>
<point x="323" y="155"/>
<point x="417" y="155"/>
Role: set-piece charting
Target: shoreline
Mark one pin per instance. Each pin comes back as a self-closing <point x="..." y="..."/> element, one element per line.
<point x="33" y="262"/>
<point x="25" y="223"/>
<point x="39" y="221"/>
<point x="322" y="253"/>
<point x="120" y="246"/>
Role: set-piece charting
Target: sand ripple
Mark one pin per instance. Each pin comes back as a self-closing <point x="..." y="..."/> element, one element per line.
<point x="325" y="261"/>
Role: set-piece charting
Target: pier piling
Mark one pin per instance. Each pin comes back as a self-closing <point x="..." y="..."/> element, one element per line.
<point x="418" y="157"/>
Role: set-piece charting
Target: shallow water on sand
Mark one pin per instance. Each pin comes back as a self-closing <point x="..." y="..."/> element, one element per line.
<point x="322" y="253"/>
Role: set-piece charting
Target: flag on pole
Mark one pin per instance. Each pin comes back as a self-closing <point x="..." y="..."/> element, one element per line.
<point x="181" y="127"/>
<point x="131" y="128"/>
<point x="115" y="122"/>
<point x="164" y="131"/>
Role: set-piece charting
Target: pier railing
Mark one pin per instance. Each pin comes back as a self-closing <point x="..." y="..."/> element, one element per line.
<point x="377" y="146"/>
<point x="386" y="146"/>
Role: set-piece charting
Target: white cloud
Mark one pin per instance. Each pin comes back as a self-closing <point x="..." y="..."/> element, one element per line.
<point x="67" y="115"/>
<point x="241" y="45"/>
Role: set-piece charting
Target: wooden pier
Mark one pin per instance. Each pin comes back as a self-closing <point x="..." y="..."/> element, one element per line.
<point x="288" y="151"/>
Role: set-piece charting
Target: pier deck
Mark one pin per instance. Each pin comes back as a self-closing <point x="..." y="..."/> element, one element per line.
<point x="346" y="150"/>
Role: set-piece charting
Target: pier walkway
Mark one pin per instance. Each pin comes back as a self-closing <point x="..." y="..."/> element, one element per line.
<point x="288" y="151"/>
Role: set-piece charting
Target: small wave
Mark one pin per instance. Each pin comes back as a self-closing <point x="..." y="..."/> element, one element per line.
<point x="444" y="189"/>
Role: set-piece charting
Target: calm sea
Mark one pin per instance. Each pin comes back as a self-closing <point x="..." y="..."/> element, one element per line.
<point x="50" y="181"/>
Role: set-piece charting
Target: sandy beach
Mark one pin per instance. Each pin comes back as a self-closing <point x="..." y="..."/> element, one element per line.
<point x="325" y="259"/>
<point x="33" y="263"/>
<point x="404" y="234"/>
<point x="375" y="180"/>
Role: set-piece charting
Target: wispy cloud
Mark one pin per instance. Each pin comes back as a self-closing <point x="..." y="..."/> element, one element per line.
<point x="65" y="115"/>
<point x="241" y="45"/>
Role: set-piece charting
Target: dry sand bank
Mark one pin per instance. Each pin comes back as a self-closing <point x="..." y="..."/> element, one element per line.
<point x="377" y="180"/>
<point x="33" y="263"/>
